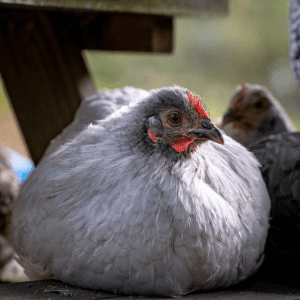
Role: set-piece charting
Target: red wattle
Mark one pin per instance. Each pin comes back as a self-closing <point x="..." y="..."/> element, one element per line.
<point x="182" y="144"/>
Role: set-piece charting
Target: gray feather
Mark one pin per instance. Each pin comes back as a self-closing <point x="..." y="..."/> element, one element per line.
<point x="279" y="156"/>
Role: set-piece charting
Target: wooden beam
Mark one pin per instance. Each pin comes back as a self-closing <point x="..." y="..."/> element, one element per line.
<point x="187" y="8"/>
<point x="43" y="77"/>
<point x="119" y="31"/>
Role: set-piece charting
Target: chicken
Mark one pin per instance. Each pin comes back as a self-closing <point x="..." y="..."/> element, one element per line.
<point x="147" y="201"/>
<point x="279" y="156"/>
<point x="9" y="188"/>
<point x="254" y="113"/>
<point x="278" y="151"/>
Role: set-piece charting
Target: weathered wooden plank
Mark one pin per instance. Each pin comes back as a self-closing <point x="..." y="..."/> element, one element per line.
<point x="158" y="7"/>
<point x="117" y="32"/>
<point x="43" y="88"/>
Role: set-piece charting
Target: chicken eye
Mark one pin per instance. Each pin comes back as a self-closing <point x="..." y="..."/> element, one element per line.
<point x="174" y="119"/>
<point x="258" y="104"/>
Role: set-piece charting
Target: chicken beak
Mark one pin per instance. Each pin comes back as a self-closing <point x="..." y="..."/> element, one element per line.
<point x="227" y="118"/>
<point x="213" y="134"/>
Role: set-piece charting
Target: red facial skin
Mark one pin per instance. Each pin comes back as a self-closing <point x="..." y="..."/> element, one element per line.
<point x="183" y="143"/>
<point x="152" y="135"/>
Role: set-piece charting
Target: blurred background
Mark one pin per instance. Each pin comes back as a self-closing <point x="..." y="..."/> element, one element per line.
<point x="211" y="57"/>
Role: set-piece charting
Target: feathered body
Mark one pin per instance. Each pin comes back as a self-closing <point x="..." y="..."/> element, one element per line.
<point x="94" y="108"/>
<point x="118" y="210"/>
<point x="279" y="156"/>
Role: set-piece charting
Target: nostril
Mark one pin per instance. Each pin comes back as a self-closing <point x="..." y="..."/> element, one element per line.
<point x="207" y="124"/>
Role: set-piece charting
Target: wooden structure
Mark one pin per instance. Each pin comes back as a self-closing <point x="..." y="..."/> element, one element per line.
<point x="41" y="43"/>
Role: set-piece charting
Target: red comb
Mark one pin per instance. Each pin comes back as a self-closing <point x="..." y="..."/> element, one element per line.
<point x="241" y="94"/>
<point x="243" y="84"/>
<point x="198" y="106"/>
